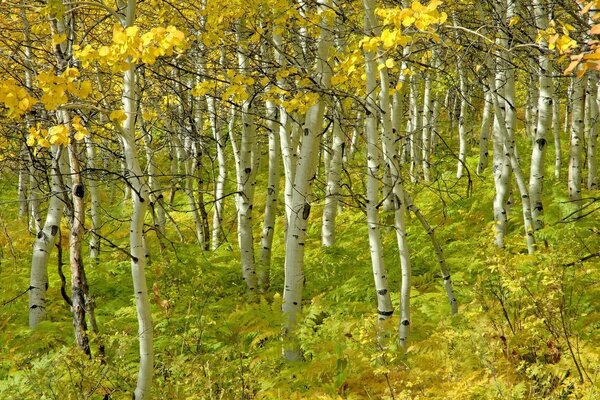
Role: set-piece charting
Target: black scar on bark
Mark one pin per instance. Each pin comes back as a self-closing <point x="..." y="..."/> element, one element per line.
<point x="295" y="303"/>
<point x="270" y="191"/>
<point x="54" y="230"/>
<point x="405" y="322"/>
<point x="385" y="313"/>
<point x="382" y="292"/>
<point x="248" y="170"/>
<point x="306" y="211"/>
<point x="541" y="143"/>
<point x="78" y="190"/>
<point x="40" y="234"/>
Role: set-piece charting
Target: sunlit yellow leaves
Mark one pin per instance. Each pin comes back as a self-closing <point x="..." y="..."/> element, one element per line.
<point x="80" y="130"/>
<point x="38" y="136"/>
<point x="58" y="39"/>
<point x="58" y="134"/>
<point x="557" y="39"/>
<point x="57" y="87"/>
<point x="130" y="45"/>
<point x="117" y="116"/>
<point x="15" y="98"/>
<point x="418" y="15"/>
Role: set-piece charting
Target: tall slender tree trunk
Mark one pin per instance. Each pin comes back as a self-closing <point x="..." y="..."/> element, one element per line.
<point x="45" y="239"/>
<point x="544" y="115"/>
<point x="140" y="197"/>
<point x="300" y="204"/>
<point x="591" y="128"/>
<point x="384" y="302"/>
<point x="574" y="179"/>
<point x="487" y="120"/>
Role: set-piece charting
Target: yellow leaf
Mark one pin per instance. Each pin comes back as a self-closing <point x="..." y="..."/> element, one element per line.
<point x="390" y="63"/>
<point x="118" y="116"/>
<point x="58" y="39"/>
<point x="85" y="89"/>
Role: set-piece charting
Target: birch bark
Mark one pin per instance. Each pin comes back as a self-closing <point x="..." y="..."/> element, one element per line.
<point x="574" y="178"/>
<point x="544" y="115"/>
<point x="139" y="198"/>
<point x="44" y="243"/>
<point x="300" y="204"/>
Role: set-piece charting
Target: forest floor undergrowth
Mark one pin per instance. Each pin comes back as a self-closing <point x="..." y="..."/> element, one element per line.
<point x="528" y="327"/>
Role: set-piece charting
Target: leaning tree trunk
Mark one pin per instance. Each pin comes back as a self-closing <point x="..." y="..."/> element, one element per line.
<point x="42" y="247"/>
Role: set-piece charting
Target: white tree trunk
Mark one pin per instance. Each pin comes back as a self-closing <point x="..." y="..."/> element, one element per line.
<point x="577" y="100"/>
<point x="544" y="115"/>
<point x="300" y="204"/>
<point x="504" y="135"/>
<point x="93" y="186"/>
<point x="556" y="132"/>
<point x="439" y="252"/>
<point x="266" y="240"/>
<point x="427" y="123"/>
<point x="44" y="243"/>
<point x="333" y="182"/>
<point x="246" y="180"/>
<point x="415" y="131"/>
<point x="462" y="120"/>
<point x="487" y="120"/>
<point x="592" y="131"/>
<point x="139" y="198"/>
<point x="384" y="302"/>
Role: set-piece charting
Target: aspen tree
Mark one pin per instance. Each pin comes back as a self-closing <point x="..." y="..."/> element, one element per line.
<point x="266" y="239"/>
<point x="45" y="239"/>
<point x="544" y="115"/>
<point x="384" y="302"/>
<point x="486" y="127"/>
<point x="574" y="176"/>
<point x="591" y="131"/>
<point x="300" y="204"/>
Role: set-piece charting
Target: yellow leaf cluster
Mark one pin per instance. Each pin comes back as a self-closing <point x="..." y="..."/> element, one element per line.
<point x="57" y="134"/>
<point x="117" y="116"/>
<point x="57" y="87"/>
<point x="15" y="98"/>
<point x="80" y="131"/>
<point x="129" y="45"/>
<point x="418" y="15"/>
<point x="558" y="40"/>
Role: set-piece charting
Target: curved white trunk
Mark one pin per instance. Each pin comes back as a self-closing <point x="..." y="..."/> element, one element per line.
<point x="439" y="252"/>
<point x="44" y="243"/>
<point x="514" y="162"/>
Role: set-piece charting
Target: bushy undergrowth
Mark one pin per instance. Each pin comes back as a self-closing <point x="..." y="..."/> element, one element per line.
<point x="528" y="326"/>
